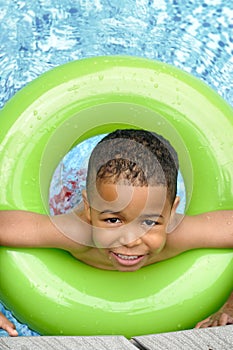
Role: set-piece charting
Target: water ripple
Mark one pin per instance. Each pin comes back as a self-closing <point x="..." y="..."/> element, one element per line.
<point x="193" y="35"/>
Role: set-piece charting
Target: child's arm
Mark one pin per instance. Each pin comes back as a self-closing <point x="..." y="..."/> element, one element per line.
<point x="221" y="318"/>
<point x="7" y="326"/>
<point x="208" y="230"/>
<point x="27" y="229"/>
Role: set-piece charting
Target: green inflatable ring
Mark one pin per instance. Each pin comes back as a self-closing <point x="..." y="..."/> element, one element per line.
<point x="58" y="295"/>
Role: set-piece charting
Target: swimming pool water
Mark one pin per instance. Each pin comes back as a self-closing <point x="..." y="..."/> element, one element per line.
<point x="194" y="35"/>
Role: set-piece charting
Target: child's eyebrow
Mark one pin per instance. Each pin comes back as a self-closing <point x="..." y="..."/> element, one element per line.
<point x="109" y="211"/>
<point x="152" y="215"/>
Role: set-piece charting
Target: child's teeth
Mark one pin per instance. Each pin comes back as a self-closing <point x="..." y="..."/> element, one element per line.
<point x="128" y="257"/>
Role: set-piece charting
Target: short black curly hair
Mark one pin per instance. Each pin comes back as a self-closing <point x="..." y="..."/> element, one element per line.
<point x="136" y="157"/>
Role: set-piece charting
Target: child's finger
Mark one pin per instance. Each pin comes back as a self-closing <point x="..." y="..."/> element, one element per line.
<point x="8" y="326"/>
<point x="11" y="330"/>
<point x="202" y="324"/>
<point x="214" y="323"/>
<point x="225" y="319"/>
<point x="230" y="320"/>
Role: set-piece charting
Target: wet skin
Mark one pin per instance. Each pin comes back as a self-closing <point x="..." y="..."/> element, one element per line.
<point x="129" y="223"/>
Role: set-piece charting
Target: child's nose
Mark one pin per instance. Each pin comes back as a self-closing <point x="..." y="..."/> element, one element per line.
<point x="130" y="239"/>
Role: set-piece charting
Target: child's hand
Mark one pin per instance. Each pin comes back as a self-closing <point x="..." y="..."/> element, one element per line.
<point x="220" y="318"/>
<point x="7" y="326"/>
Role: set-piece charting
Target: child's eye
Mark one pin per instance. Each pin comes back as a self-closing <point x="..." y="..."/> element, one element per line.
<point x="150" y="222"/>
<point x="113" y="221"/>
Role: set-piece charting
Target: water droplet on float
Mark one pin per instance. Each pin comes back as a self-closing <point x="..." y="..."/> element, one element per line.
<point x="38" y="117"/>
<point x="35" y="112"/>
<point x="74" y="88"/>
<point x="156" y="85"/>
<point x="101" y="77"/>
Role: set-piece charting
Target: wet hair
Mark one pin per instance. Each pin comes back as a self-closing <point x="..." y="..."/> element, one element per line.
<point x="134" y="157"/>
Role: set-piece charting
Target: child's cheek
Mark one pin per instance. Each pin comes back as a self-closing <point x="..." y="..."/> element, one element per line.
<point x="161" y="243"/>
<point x="105" y="238"/>
<point x="156" y="241"/>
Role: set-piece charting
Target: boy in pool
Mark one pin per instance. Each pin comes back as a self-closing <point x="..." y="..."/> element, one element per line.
<point x="128" y="219"/>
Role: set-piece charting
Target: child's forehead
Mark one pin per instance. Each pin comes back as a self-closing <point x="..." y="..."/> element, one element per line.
<point x="121" y="196"/>
<point x="122" y="186"/>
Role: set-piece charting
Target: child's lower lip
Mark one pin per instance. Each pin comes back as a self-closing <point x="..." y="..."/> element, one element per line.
<point x="127" y="262"/>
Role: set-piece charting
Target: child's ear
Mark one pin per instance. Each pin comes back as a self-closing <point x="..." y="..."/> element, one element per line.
<point x="87" y="207"/>
<point x="173" y="217"/>
<point x="175" y="205"/>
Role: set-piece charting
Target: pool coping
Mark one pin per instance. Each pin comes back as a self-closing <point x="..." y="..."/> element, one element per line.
<point x="215" y="338"/>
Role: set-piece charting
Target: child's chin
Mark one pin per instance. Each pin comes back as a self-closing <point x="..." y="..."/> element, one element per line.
<point x="128" y="268"/>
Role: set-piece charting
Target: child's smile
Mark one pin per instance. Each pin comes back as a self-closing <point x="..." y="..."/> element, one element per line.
<point x="127" y="260"/>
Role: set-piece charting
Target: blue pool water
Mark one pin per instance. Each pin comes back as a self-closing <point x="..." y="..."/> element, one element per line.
<point x="194" y="35"/>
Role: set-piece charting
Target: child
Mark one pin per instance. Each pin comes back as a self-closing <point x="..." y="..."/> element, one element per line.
<point x="128" y="219"/>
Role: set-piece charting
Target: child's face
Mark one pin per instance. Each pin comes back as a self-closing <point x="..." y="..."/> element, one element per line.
<point x="129" y="223"/>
